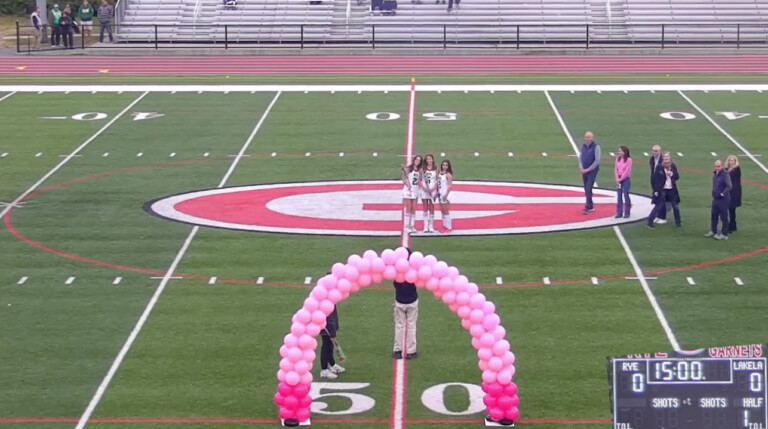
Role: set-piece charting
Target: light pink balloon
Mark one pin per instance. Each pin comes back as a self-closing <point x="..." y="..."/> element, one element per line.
<point x="326" y="306"/>
<point x="298" y="329"/>
<point x="476" y="343"/>
<point x="425" y="273"/>
<point x="311" y="304"/>
<point x="462" y="298"/>
<point x="449" y="298"/>
<point x="491" y="321"/>
<point x="334" y="295"/>
<point x="461" y="282"/>
<point x="463" y="311"/>
<point x="400" y="277"/>
<point x="438" y="293"/>
<point x="376" y="278"/>
<point x="344" y="285"/>
<point x="302" y="367"/>
<point x="477" y="316"/>
<point x="313" y="329"/>
<point x="291" y="340"/>
<point x="388" y="256"/>
<point x="472" y="289"/>
<point x="432" y="284"/>
<point x="453" y="307"/>
<point x="483" y="365"/>
<point x="281" y="375"/>
<point x="318" y="317"/>
<point x="364" y="266"/>
<point x="488" y="376"/>
<point x="508" y="358"/>
<point x="416" y="260"/>
<point x="401" y="252"/>
<point x="446" y="284"/>
<point x="353" y="260"/>
<point x="295" y="354"/>
<point x="354" y="287"/>
<point x="308" y="355"/>
<point x="477" y="331"/>
<point x="487" y="340"/>
<point x="351" y="273"/>
<point x="306" y="379"/>
<point x="306" y="343"/>
<point x="501" y="347"/>
<point x="284" y="351"/>
<point x="286" y="365"/>
<point x="402" y="266"/>
<point x="344" y="295"/>
<point x="505" y="376"/>
<point x="420" y="283"/>
<point x="484" y="354"/>
<point x="494" y="363"/>
<point x="440" y="269"/>
<point x="364" y="280"/>
<point x="489" y="307"/>
<point x="338" y="270"/>
<point x="466" y="324"/>
<point x="303" y="316"/>
<point x="453" y="273"/>
<point x="430" y="260"/>
<point x="319" y="292"/>
<point x="329" y="281"/>
<point x="370" y="255"/>
<point x="477" y="300"/>
<point x="499" y="333"/>
<point x="377" y="265"/>
<point x="411" y="275"/>
<point x="390" y="272"/>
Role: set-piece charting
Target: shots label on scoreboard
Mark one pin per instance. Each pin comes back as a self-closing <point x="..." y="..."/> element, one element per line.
<point x="715" y="388"/>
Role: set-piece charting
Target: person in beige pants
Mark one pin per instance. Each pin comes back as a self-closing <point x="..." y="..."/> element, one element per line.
<point x="406" y="318"/>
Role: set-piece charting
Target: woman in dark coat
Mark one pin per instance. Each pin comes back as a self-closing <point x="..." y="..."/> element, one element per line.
<point x="664" y="181"/>
<point x="732" y="167"/>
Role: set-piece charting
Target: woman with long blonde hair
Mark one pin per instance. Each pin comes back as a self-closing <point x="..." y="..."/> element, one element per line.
<point x="733" y="169"/>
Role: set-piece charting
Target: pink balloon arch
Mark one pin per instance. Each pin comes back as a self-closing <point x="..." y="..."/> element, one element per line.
<point x="478" y="316"/>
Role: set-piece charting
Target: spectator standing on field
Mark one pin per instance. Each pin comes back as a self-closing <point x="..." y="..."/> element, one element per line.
<point x="665" y="190"/>
<point x="329" y="369"/>
<point x="406" y="318"/>
<point x="721" y="201"/>
<point x="37" y="22"/>
<point x="85" y="13"/>
<point x="65" y="23"/>
<point x="623" y="170"/>
<point x="589" y="164"/>
<point x="655" y="162"/>
<point x="733" y="169"/>
<point x="106" y="11"/>
<point x="53" y="20"/>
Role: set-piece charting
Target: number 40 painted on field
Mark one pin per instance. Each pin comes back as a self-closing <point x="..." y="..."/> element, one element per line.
<point x="686" y="116"/>
<point x="97" y="116"/>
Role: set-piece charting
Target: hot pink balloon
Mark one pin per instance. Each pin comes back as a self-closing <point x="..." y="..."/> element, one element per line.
<point x="370" y="255"/>
<point x="326" y="306"/>
<point x="515" y="400"/>
<point x="364" y="280"/>
<point x="512" y="414"/>
<point x="302" y="414"/>
<point x="489" y="307"/>
<point x="338" y="270"/>
<point x="487" y="340"/>
<point x="286" y="364"/>
<point x="489" y="401"/>
<point x="291" y="402"/>
<point x="306" y="379"/>
<point x="488" y="376"/>
<point x="295" y="354"/>
<point x="311" y="304"/>
<point x="477" y="300"/>
<point x="402" y="266"/>
<point x="491" y="321"/>
<point x="388" y="256"/>
<point x="334" y="295"/>
<point x="286" y="413"/>
<point x="449" y="298"/>
<point x="510" y="389"/>
<point x="377" y="265"/>
<point x="390" y="272"/>
<point x="298" y="329"/>
<point x="411" y="276"/>
<point x="425" y="273"/>
<point x="319" y="293"/>
<point x="496" y="414"/>
<point x="463" y="311"/>
<point x="376" y="278"/>
<point x="477" y="316"/>
<point x="494" y="363"/>
<point x="501" y="347"/>
<point x="284" y="389"/>
<point x="416" y="259"/>
<point x="495" y="389"/>
<point x="477" y="330"/>
<point x="504" y="376"/>
<point x="484" y="354"/>
<point x="351" y="273"/>
<point x="453" y="273"/>
<point x="440" y="269"/>
<point x="292" y="378"/>
<point x="301" y="390"/>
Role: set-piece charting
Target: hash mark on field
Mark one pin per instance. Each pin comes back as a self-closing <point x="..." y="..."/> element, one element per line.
<point x="37" y="155"/>
<point x="386" y="92"/>
<point x="544" y="154"/>
<point x="226" y="92"/>
<point x="762" y="117"/>
<point x="439" y="92"/>
<point x="375" y="154"/>
<point x="212" y="280"/>
<point x="341" y="154"/>
<point x="738" y="281"/>
<point x="173" y="92"/>
<point x="595" y="281"/>
<point x="493" y="92"/>
<point x="477" y="154"/>
<point x="22" y="280"/>
<point x="140" y="154"/>
<point x="442" y="154"/>
<point x="706" y="91"/>
<point x="498" y="280"/>
<point x="573" y="92"/>
<point x="714" y="153"/>
<point x="466" y="92"/>
<point x="69" y="280"/>
<point x="199" y="92"/>
<point x="172" y="154"/>
<point x="117" y="280"/>
<point x="653" y="92"/>
<point x="40" y="92"/>
<point x="359" y="92"/>
<point x="307" y="280"/>
<point x="690" y="281"/>
<point x="546" y="281"/>
<point x="510" y="154"/>
<point x="612" y="153"/>
<point x="645" y="153"/>
<point x="625" y="92"/>
<point x="599" y="92"/>
<point x="308" y="154"/>
<point x="274" y="154"/>
<point x="106" y="154"/>
<point x="680" y="154"/>
<point x="205" y="155"/>
<point x="4" y="154"/>
<point x="260" y="280"/>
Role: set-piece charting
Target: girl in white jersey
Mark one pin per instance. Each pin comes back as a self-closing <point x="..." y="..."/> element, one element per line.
<point x="411" y="180"/>
<point x="444" y="184"/>
<point x="429" y="191"/>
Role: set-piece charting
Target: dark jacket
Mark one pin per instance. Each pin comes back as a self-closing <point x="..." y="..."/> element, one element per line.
<point x="331" y="323"/>
<point x="405" y="293"/>
<point x="735" y="187"/>
<point x="65" y="22"/>
<point x="721" y="186"/>
<point x="653" y="166"/>
<point x="659" y="179"/>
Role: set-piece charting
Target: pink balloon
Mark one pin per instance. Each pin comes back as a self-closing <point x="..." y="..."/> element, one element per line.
<point x="311" y="304"/>
<point x="476" y="301"/>
<point x="488" y="376"/>
<point x="284" y="351"/>
<point x="463" y="311"/>
<point x="440" y="269"/>
<point x="416" y="260"/>
<point x="477" y="316"/>
<point x="298" y="329"/>
<point x="388" y="256"/>
<point x="402" y="266"/>
<point x="425" y="273"/>
<point x="308" y="355"/>
<point x="364" y="266"/>
<point x="494" y="363"/>
<point x="377" y="265"/>
<point x="338" y="270"/>
<point x="491" y="321"/>
<point x="432" y="284"/>
<point x="319" y="292"/>
<point x="510" y="389"/>
<point x="446" y="284"/>
<point x="281" y="375"/>
<point x="489" y="307"/>
<point x="376" y="278"/>
<point x="291" y="402"/>
<point x="329" y="281"/>
<point x="301" y="391"/>
<point x="291" y="340"/>
<point x="420" y="283"/>
<point x="453" y="307"/>
<point x="286" y="413"/>
<point x="515" y="400"/>
<point x="390" y="272"/>
<point x="284" y="389"/>
<point x="449" y="298"/>
<point x="354" y="287"/>
<point x="401" y="253"/>
<point x="484" y="354"/>
<point x="512" y="414"/>
<point x="487" y="340"/>
<point x="495" y="389"/>
<point x="306" y="379"/>
<point x="286" y="364"/>
<point x="476" y="343"/>
<point x="305" y="343"/>
<point x="499" y="332"/>
<point x="303" y="316"/>
<point x="496" y="414"/>
<point x="295" y="354"/>
<point x="453" y="273"/>
<point x="292" y="378"/>
<point x="353" y="260"/>
<point x="411" y="275"/>
<point x="370" y="255"/>
<point x="302" y="367"/>
<point x="364" y="280"/>
<point x="400" y="277"/>
<point x="326" y="306"/>
<point x="477" y="330"/>
<point x="318" y="317"/>
<point x="430" y="260"/>
<point x="351" y="273"/>
<point x="344" y="285"/>
<point x="489" y="401"/>
<point x="460" y="283"/>
<point x="501" y="347"/>
<point x="505" y="402"/>
<point x="482" y="364"/>
<point x="302" y="414"/>
<point x="438" y="293"/>
<point x="472" y="289"/>
<point x="462" y="298"/>
<point x="466" y="324"/>
<point x="508" y="358"/>
<point x="334" y="295"/>
<point x="313" y="329"/>
<point x="504" y="376"/>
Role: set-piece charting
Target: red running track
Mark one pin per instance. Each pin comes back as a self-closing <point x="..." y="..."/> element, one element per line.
<point x="375" y="65"/>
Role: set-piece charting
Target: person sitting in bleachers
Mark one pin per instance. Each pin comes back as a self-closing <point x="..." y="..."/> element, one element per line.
<point x="230" y="4"/>
<point x="388" y="7"/>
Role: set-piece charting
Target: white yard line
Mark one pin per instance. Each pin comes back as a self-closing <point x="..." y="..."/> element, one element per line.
<point x="7" y="95"/>
<point x="632" y="260"/>
<point x="73" y="154"/>
<point x="723" y="132"/>
<point x="153" y="301"/>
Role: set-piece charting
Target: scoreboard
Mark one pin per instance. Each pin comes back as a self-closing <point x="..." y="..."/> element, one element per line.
<point x="715" y="388"/>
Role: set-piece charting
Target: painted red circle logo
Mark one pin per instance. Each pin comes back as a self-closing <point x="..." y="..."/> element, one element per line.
<point x="373" y="208"/>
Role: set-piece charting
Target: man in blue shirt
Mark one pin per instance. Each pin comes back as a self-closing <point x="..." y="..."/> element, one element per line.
<point x="589" y="164"/>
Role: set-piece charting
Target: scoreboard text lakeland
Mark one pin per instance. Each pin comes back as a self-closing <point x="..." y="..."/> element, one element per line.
<point x="715" y="388"/>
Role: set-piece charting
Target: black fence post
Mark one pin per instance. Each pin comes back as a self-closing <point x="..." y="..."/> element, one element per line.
<point x="226" y="36"/>
<point x="738" y="36"/>
<point x="587" y="36"/>
<point x="302" y="36"/>
<point x="663" y="27"/>
<point x="156" y="47"/>
<point x="82" y="39"/>
<point x="518" y="37"/>
<point x="445" y="36"/>
<point x="18" y="38"/>
<point x="373" y="36"/>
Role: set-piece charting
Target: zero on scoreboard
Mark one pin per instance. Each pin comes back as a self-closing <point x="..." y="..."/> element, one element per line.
<point x="715" y="388"/>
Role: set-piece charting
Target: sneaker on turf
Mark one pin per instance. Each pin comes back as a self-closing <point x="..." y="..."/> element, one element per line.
<point x="328" y="374"/>
<point x="413" y="355"/>
<point x="337" y="369"/>
<point x="709" y="234"/>
<point x="397" y="354"/>
<point x="656" y="220"/>
<point x="721" y="237"/>
<point x="661" y="221"/>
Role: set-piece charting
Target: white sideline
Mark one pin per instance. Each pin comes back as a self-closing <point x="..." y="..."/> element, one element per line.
<point x="166" y="278"/>
<point x="71" y="155"/>
<point x="725" y="133"/>
<point x="635" y="266"/>
<point x="384" y="88"/>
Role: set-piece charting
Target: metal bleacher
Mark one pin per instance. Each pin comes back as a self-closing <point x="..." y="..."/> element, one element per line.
<point x="475" y="21"/>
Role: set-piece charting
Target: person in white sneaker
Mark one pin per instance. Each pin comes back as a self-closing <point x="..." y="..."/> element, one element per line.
<point x="411" y="180"/>
<point x="406" y="319"/>
<point x="428" y="190"/>
<point x="329" y="369"/>
<point x="444" y="184"/>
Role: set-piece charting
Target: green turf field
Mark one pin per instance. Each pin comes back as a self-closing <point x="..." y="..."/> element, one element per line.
<point x="77" y="259"/>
